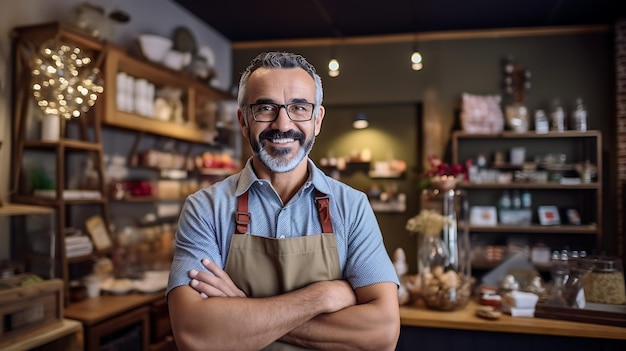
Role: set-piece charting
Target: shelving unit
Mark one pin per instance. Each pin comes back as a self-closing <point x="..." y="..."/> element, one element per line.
<point x="585" y="197"/>
<point x="60" y="163"/>
<point x="42" y="170"/>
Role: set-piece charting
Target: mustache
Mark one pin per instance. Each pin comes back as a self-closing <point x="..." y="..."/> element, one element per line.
<point x="277" y="134"/>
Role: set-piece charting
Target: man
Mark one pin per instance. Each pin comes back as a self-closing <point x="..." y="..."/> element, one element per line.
<point x="251" y="269"/>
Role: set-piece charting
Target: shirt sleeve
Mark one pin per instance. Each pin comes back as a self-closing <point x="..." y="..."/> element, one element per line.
<point x="367" y="260"/>
<point x="196" y="239"/>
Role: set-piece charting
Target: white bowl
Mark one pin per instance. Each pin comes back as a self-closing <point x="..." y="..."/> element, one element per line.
<point x="154" y="47"/>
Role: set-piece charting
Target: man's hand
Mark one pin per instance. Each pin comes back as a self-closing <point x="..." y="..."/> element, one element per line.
<point x="217" y="284"/>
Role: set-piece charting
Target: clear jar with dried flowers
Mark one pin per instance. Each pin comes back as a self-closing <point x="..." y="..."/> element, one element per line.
<point x="443" y="251"/>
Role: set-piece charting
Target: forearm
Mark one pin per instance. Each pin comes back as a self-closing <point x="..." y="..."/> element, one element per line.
<point x="239" y="323"/>
<point x="371" y="325"/>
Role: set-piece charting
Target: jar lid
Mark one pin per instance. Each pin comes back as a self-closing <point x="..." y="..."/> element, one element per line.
<point x="605" y="264"/>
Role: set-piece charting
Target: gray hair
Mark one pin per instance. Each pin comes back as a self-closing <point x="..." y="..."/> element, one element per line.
<point x="276" y="59"/>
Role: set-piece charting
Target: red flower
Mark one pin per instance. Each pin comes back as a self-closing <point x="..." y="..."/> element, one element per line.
<point x="440" y="168"/>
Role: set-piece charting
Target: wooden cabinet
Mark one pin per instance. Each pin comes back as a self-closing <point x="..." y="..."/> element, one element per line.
<point x="557" y="185"/>
<point x="124" y="322"/>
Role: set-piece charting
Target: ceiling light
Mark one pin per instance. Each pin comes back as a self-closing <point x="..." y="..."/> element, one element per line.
<point x="360" y="121"/>
<point x="333" y="67"/>
<point x="416" y="60"/>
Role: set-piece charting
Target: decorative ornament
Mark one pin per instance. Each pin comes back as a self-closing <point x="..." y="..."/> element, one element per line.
<point x="64" y="84"/>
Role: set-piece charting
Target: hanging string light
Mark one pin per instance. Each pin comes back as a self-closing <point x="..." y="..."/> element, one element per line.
<point x="64" y="84"/>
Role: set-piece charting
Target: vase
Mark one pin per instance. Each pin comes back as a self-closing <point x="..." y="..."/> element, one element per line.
<point x="444" y="257"/>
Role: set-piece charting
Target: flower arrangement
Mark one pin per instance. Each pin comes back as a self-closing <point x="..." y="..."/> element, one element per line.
<point x="440" y="168"/>
<point x="443" y="175"/>
<point x="427" y="222"/>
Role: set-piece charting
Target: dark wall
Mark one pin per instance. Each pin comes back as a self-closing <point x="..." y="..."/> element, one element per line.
<point x="562" y="66"/>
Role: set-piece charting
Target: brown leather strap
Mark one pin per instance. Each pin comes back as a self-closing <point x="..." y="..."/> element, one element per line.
<point x="324" y="210"/>
<point x="242" y="216"/>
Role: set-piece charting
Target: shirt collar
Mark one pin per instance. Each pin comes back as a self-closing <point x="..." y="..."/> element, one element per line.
<point x="317" y="178"/>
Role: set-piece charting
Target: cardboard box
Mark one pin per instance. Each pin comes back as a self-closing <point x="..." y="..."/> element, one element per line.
<point x="27" y="308"/>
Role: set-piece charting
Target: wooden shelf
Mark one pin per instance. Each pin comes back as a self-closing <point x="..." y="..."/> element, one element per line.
<point x="67" y="143"/>
<point x="11" y="209"/>
<point x="66" y="329"/>
<point x="117" y="60"/>
<point x="528" y="135"/>
<point x="551" y="186"/>
<point x="217" y="171"/>
<point x="537" y="228"/>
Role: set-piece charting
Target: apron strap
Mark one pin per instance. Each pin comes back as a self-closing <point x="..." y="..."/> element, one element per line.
<point x="324" y="210"/>
<point x="242" y="216"/>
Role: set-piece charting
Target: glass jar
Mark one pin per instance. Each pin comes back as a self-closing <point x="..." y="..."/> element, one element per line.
<point x="605" y="283"/>
<point x="444" y="256"/>
<point x="517" y="117"/>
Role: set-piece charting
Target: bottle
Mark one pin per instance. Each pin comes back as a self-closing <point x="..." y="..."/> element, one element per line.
<point x="557" y="116"/>
<point x="481" y="163"/>
<point x="526" y="199"/>
<point x="505" y="200"/>
<point x="579" y="117"/>
<point x="542" y="125"/>
<point x="517" y="200"/>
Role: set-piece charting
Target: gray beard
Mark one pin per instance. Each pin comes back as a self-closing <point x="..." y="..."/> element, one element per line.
<point x="275" y="161"/>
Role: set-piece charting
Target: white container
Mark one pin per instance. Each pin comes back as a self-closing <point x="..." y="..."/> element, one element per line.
<point x="92" y="283"/>
<point x="51" y="128"/>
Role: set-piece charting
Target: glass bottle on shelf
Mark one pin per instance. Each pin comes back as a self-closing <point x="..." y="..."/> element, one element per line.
<point x="579" y="116"/>
<point x="505" y="200"/>
<point x="542" y="125"/>
<point x="444" y="253"/>
<point x="516" y="201"/>
<point x="557" y="116"/>
<point x="526" y="199"/>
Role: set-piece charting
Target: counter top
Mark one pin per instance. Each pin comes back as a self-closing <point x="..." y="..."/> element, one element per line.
<point x="417" y="316"/>
<point x="97" y="309"/>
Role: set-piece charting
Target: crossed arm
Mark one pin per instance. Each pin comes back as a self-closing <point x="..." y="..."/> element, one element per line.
<point x="212" y="313"/>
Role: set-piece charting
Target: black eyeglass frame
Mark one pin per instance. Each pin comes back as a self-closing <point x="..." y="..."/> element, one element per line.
<point x="278" y="107"/>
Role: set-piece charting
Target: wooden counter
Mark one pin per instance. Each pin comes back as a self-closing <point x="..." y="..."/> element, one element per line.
<point x="466" y="320"/>
<point x="461" y="330"/>
<point x="98" y="309"/>
<point x="121" y="315"/>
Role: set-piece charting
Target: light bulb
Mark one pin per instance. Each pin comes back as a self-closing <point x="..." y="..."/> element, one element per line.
<point x="333" y="67"/>
<point x="416" y="57"/>
<point x="416" y="61"/>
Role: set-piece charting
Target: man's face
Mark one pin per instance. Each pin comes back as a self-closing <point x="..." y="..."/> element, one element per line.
<point x="283" y="144"/>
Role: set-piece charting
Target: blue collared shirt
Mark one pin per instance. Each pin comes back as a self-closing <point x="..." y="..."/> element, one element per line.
<point x="207" y="224"/>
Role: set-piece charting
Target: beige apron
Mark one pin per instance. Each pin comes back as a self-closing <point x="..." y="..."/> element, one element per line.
<point x="262" y="266"/>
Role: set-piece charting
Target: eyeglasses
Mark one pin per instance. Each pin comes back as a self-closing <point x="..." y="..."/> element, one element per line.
<point x="296" y="111"/>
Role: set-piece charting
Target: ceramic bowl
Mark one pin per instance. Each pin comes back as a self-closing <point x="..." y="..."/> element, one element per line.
<point x="154" y="47"/>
